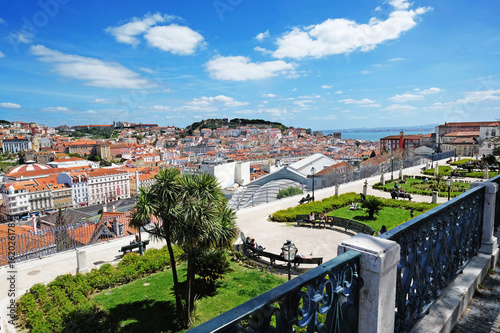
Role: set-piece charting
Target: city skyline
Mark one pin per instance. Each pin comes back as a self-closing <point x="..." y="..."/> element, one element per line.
<point x="320" y="65"/>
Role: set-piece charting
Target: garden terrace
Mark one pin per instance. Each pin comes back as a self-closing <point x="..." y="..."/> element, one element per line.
<point x="410" y="266"/>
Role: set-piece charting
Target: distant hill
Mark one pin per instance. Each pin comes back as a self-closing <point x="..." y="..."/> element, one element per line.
<point x="233" y="123"/>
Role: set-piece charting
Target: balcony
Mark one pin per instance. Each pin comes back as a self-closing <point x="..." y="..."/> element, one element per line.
<point x="390" y="283"/>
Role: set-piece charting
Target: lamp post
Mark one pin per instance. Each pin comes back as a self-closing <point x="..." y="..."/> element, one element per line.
<point x="449" y="182"/>
<point x="455" y="157"/>
<point x="288" y="252"/>
<point x="392" y="168"/>
<point x="313" y="170"/>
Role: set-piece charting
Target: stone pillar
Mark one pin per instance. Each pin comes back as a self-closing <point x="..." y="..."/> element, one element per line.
<point x="436" y="168"/>
<point x="434" y="196"/>
<point x="489" y="243"/>
<point x="486" y="173"/>
<point x="365" y="187"/>
<point x="379" y="259"/>
<point x="81" y="262"/>
<point x="382" y="180"/>
<point x="337" y="188"/>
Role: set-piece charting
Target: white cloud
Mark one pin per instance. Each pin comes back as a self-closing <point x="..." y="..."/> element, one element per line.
<point x="365" y="71"/>
<point x="209" y="103"/>
<point x="269" y="95"/>
<point x="396" y="59"/>
<point x="326" y="87"/>
<point x="91" y="112"/>
<point x="353" y="101"/>
<point x="2" y="21"/>
<point x="148" y="70"/>
<point x="262" y="50"/>
<point x="103" y="101"/>
<point x="376" y="105"/>
<point x="126" y="33"/>
<point x="430" y="91"/>
<point x="174" y="38"/>
<point x="303" y="103"/>
<point x="479" y="96"/>
<point x="239" y="68"/>
<point x="2" y="54"/>
<point x="262" y="35"/>
<point x="399" y="4"/>
<point x="271" y="112"/>
<point x="337" y="36"/>
<point x="10" y="105"/>
<point x="93" y="72"/>
<point x="310" y="96"/>
<point x="339" y="92"/>
<point x="405" y="98"/>
<point x="56" y="109"/>
<point x="19" y="37"/>
<point x="395" y="108"/>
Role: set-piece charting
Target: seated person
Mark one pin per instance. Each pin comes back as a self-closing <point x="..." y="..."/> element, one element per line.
<point x="256" y="246"/>
<point x="299" y="255"/>
<point x="322" y="219"/>
<point x="354" y="206"/>
<point x="248" y="240"/>
<point x="383" y="229"/>
<point x="136" y="240"/>
<point x="312" y="218"/>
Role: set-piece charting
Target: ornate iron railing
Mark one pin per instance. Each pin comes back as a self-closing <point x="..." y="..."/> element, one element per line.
<point x="324" y="299"/>
<point x="497" y="201"/>
<point x="435" y="247"/>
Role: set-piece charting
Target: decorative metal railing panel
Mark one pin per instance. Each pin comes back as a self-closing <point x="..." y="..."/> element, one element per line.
<point x="324" y="299"/>
<point x="497" y="202"/>
<point x="435" y="247"/>
<point x="19" y="247"/>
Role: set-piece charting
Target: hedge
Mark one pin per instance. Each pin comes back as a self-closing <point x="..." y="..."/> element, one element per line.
<point x="65" y="303"/>
<point x="336" y="202"/>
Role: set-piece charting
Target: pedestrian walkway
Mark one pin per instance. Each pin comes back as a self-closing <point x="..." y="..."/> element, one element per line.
<point x="482" y="314"/>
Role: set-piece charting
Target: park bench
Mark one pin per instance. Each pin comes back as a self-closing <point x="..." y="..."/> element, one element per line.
<point x="273" y="257"/>
<point x="337" y="222"/>
<point x="395" y="195"/>
<point x="459" y="174"/>
<point x="303" y="219"/>
<point x="306" y="199"/>
<point x="134" y="245"/>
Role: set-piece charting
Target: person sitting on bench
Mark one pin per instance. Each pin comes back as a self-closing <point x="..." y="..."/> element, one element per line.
<point x="322" y="220"/>
<point x="256" y="246"/>
<point x="312" y="219"/>
<point x="136" y="240"/>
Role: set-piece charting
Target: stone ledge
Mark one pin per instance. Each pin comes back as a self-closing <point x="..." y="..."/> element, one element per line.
<point x="447" y="310"/>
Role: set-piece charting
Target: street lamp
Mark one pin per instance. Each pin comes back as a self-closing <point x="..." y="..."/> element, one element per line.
<point x="313" y="170"/>
<point x="392" y="168"/>
<point x="288" y="252"/>
<point x="449" y="182"/>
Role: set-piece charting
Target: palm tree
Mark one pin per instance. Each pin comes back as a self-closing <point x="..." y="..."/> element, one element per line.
<point x="373" y="206"/>
<point x="207" y="223"/>
<point x="157" y="207"/>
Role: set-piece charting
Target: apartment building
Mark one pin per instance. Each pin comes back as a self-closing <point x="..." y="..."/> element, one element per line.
<point x="107" y="185"/>
<point x="78" y="182"/>
<point x="15" y="144"/>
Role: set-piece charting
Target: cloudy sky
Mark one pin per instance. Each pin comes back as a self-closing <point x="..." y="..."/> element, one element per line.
<point x="320" y="64"/>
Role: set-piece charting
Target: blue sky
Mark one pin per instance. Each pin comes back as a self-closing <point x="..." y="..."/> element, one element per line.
<point x="318" y="64"/>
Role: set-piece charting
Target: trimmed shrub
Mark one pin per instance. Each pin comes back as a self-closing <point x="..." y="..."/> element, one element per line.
<point x="65" y="302"/>
<point x="289" y="192"/>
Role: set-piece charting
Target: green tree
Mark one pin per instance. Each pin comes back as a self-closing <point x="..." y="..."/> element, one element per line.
<point x="496" y="151"/>
<point x="373" y="154"/>
<point x="157" y="207"/>
<point x="373" y="205"/>
<point x="61" y="237"/>
<point x="207" y="223"/>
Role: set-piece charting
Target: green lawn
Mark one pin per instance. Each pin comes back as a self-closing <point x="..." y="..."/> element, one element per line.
<point x="389" y="216"/>
<point x="418" y="186"/>
<point x="148" y="305"/>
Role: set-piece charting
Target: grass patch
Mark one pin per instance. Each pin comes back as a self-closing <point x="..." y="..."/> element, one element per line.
<point x="418" y="186"/>
<point x="148" y="305"/>
<point x="389" y="216"/>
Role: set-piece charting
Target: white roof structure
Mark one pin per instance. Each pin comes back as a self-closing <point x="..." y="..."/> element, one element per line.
<point x="318" y="161"/>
